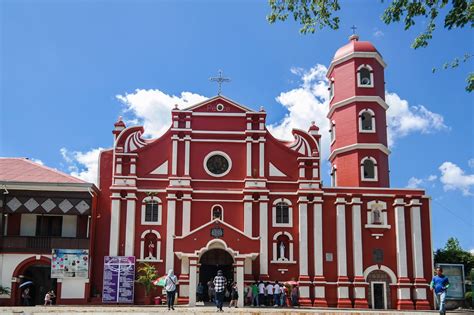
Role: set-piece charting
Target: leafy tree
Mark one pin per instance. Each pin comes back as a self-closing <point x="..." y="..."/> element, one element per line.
<point x="146" y="276"/>
<point x="452" y="253"/>
<point x="318" y="14"/>
<point x="4" y="290"/>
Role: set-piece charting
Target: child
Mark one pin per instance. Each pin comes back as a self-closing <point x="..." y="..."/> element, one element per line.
<point x="234" y="295"/>
<point x="48" y="299"/>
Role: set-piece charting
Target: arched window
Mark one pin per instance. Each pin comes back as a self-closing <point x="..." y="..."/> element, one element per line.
<point x="217" y="212"/>
<point x="150" y="246"/>
<point x="365" y="76"/>
<point x="282" y="213"/>
<point x="151" y="211"/>
<point x="368" y="169"/>
<point x="333" y="176"/>
<point x="282" y="248"/>
<point x="331" y="89"/>
<point x="332" y="131"/>
<point x="366" y="120"/>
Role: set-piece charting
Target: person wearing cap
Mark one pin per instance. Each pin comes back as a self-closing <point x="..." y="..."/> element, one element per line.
<point x="219" y="286"/>
<point x="440" y="284"/>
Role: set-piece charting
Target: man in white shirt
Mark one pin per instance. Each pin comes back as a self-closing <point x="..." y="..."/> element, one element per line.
<point x="261" y="293"/>
<point x="276" y="293"/>
<point x="269" y="289"/>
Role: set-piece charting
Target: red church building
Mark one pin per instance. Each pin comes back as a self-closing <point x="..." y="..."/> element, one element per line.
<point x="217" y="190"/>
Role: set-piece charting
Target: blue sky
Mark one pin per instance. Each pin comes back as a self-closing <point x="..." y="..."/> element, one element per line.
<point x="63" y="64"/>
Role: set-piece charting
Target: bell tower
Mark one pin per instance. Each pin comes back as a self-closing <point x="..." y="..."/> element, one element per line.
<point x="357" y="115"/>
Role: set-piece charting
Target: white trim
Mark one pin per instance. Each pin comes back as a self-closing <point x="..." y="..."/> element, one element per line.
<point x="143" y="211"/>
<point x="290" y="213"/>
<point x="371" y="74"/>
<point x="290" y="259"/>
<point x="187" y="149"/>
<point x="212" y="212"/>
<point x="391" y="274"/>
<point x="303" y="237"/>
<point x="357" y="54"/>
<point x="174" y="153"/>
<point x="274" y="171"/>
<point x="372" y="117"/>
<point x="248" y="205"/>
<point x="170" y="232"/>
<point x="212" y="153"/>
<point x="341" y="239"/>
<point x="417" y="243"/>
<point x="357" y="237"/>
<point x="114" y="225"/>
<point x="240" y="106"/>
<point x="219" y="114"/>
<point x="263" y="236"/>
<point x="384" y="293"/>
<point x="218" y="140"/>
<point x="218" y="132"/>
<point x="362" y="175"/>
<point x="359" y="146"/>
<point x="161" y="170"/>
<point x="400" y="232"/>
<point x="130" y="226"/>
<point x="357" y="99"/>
<point x="157" y="246"/>
<point x="332" y="131"/>
<point x="249" y="159"/>
<point x="318" y="239"/>
<point x="186" y="227"/>
<point x="261" y="152"/>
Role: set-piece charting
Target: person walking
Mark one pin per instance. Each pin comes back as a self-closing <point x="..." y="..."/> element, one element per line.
<point x="48" y="299"/>
<point x="255" y="293"/>
<point x="283" y="296"/>
<point x="210" y="291"/>
<point x="234" y="295"/>
<point x="269" y="289"/>
<point x="440" y="283"/>
<point x="295" y="296"/>
<point x="248" y="295"/>
<point x="26" y="297"/>
<point x="219" y="287"/>
<point x="261" y="293"/>
<point x="170" y="287"/>
<point x="276" y="294"/>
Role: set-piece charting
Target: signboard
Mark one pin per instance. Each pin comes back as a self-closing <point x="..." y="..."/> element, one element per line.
<point x="455" y="274"/>
<point x="119" y="277"/>
<point x="70" y="263"/>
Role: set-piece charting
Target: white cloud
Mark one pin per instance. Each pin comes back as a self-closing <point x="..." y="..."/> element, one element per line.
<point x="471" y="251"/>
<point x="432" y="178"/>
<point x="378" y="33"/>
<point x="453" y="178"/>
<point x="37" y="161"/>
<point x="414" y="182"/>
<point x="306" y="103"/>
<point x="403" y="119"/>
<point x="470" y="163"/>
<point x="83" y="165"/>
<point x="152" y="108"/>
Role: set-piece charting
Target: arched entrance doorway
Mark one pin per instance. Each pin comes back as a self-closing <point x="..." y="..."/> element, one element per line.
<point x="39" y="273"/>
<point x="379" y="290"/>
<point x="212" y="261"/>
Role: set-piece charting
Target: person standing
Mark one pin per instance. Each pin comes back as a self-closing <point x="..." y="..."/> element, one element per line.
<point x="276" y="294"/>
<point x="269" y="289"/>
<point x="200" y="292"/>
<point x="219" y="287"/>
<point x="261" y="293"/>
<point x="295" y="296"/>
<point x="170" y="287"/>
<point x="440" y="284"/>
<point x="234" y="295"/>
<point x="283" y="296"/>
<point x="47" y="299"/>
<point x="26" y="297"/>
<point x="255" y="293"/>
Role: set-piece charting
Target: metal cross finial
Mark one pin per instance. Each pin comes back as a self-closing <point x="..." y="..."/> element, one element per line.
<point x="353" y="29"/>
<point x="219" y="79"/>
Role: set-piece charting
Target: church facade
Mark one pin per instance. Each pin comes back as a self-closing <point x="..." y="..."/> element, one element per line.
<point x="217" y="190"/>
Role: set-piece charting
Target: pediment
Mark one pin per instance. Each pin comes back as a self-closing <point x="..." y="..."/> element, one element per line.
<point x="219" y="105"/>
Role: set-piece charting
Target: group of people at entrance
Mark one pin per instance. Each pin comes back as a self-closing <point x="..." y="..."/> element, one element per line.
<point x="271" y="294"/>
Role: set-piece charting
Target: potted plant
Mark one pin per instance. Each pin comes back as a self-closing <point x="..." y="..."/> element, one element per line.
<point x="146" y="276"/>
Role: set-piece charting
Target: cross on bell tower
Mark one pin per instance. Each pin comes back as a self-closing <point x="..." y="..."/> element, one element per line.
<point x="219" y="79"/>
<point x="353" y="28"/>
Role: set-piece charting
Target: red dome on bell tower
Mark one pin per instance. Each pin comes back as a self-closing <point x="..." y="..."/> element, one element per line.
<point x="357" y="113"/>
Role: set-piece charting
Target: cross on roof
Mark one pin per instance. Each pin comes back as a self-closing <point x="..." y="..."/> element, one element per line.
<point x="219" y="79"/>
<point x="354" y="28"/>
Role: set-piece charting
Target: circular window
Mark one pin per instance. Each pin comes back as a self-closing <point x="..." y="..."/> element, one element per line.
<point x="217" y="164"/>
<point x="220" y="107"/>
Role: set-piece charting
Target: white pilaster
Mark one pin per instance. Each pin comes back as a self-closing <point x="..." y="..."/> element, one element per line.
<point x="170" y="232"/>
<point x="249" y="156"/>
<point x="318" y="239"/>
<point x="192" y="281"/>
<point x="357" y="238"/>
<point x="130" y="225"/>
<point x="186" y="226"/>
<point x="400" y="238"/>
<point x="114" y="225"/>
<point x="341" y="238"/>
<point x="248" y="215"/>
<point x="262" y="157"/>
<point x="303" y="235"/>
<point x="417" y="244"/>
<point x="240" y="282"/>
<point x="174" y="153"/>
<point x="187" y="148"/>
<point x="263" y="235"/>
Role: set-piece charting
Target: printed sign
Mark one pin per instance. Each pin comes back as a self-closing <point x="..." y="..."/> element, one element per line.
<point x="119" y="277"/>
<point x="455" y="274"/>
<point x="70" y="263"/>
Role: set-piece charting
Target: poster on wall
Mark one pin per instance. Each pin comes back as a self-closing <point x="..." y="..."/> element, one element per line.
<point x="455" y="274"/>
<point x="70" y="263"/>
<point x="119" y="277"/>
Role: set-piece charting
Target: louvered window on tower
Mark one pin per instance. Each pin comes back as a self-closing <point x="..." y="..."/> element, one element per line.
<point x="282" y="213"/>
<point x="364" y="74"/>
<point x="151" y="211"/>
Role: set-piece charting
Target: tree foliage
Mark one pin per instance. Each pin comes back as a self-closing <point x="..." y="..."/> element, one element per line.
<point x="146" y="276"/>
<point x="453" y="253"/>
<point x="318" y="14"/>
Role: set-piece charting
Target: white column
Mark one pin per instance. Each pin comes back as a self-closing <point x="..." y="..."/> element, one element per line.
<point x="240" y="281"/>
<point x="170" y="230"/>
<point x="417" y="245"/>
<point x="192" y="281"/>
<point x="263" y="235"/>
<point x="186" y="226"/>
<point x="303" y="235"/>
<point x="357" y="238"/>
<point x="130" y="225"/>
<point x="249" y="156"/>
<point x="187" y="152"/>
<point x="114" y="225"/>
<point x="248" y="215"/>
<point x="318" y="238"/>
<point x="400" y="238"/>
<point x="341" y="238"/>
<point x="262" y="157"/>
<point x="174" y="157"/>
